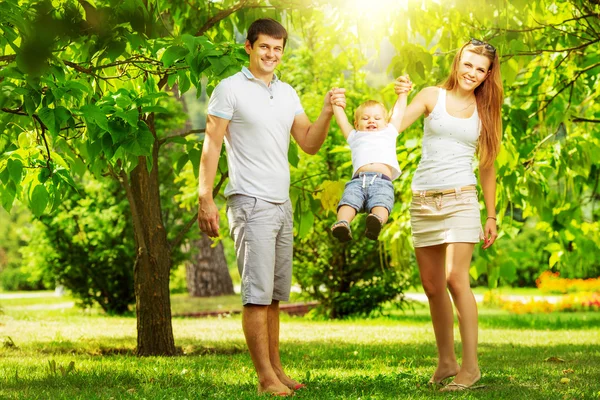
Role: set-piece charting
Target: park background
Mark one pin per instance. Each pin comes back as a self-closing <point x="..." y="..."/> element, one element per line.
<point x="102" y="116"/>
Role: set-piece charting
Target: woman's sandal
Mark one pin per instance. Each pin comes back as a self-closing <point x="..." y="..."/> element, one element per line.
<point x="341" y="231"/>
<point x="374" y="224"/>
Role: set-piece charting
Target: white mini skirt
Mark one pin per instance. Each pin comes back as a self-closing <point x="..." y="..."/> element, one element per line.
<point x="445" y="217"/>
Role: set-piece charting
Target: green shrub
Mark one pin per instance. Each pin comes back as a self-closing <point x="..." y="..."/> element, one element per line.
<point x="12" y="279"/>
<point x="353" y="279"/>
<point x="87" y="246"/>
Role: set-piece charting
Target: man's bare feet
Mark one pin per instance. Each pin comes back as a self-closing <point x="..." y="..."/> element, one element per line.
<point x="276" y="390"/>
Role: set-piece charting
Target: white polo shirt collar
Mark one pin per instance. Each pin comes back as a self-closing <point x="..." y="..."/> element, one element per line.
<point x="249" y="75"/>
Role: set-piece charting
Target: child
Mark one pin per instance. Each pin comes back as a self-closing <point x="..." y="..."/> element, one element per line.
<point x="375" y="165"/>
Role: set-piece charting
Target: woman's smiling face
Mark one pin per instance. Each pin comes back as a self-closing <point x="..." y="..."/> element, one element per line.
<point x="472" y="70"/>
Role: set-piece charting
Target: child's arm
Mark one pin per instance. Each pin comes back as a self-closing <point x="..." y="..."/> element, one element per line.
<point x="400" y="105"/>
<point x="342" y="120"/>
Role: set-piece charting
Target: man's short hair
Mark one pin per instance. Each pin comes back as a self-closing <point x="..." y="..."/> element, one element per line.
<point x="266" y="26"/>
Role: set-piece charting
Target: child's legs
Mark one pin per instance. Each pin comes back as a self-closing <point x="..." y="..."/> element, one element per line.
<point x="380" y="198"/>
<point x="346" y="213"/>
<point x="381" y="212"/>
<point x="352" y="201"/>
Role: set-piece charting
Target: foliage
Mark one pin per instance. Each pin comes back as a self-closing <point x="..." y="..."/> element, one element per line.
<point x="354" y="279"/>
<point x="12" y="238"/>
<point x="87" y="247"/>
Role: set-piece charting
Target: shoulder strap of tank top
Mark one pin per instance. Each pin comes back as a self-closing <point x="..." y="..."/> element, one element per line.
<point x="440" y="104"/>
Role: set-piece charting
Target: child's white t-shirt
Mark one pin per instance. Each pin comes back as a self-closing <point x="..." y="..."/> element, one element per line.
<point x="370" y="147"/>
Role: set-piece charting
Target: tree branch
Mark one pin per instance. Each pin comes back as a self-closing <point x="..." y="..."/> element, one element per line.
<point x="538" y="52"/>
<point x="224" y="14"/>
<point x="10" y="58"/>
<point x="182" y="134"/>
<point x="581" y="119"/>
<point x="571" y="83"/>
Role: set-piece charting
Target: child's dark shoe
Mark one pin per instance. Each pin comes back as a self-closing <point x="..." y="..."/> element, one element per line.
<point x="374" y="224"/>
<point x="341" y="231"/>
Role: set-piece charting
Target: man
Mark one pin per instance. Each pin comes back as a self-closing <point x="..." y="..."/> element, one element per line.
<point x="255" y="112"/>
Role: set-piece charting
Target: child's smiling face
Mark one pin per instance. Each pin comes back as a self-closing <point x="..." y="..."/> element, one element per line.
<point x="372" y="118"/>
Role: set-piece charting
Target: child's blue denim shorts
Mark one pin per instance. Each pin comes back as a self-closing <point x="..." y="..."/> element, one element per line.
<point x="367" y="190"/>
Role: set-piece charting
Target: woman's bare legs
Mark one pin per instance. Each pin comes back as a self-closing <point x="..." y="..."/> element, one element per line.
<point x="431" y="262"/>
<point x="458" y="263"/>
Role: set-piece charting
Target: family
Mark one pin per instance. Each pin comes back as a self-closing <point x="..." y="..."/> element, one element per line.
<point x="254" y="113"/>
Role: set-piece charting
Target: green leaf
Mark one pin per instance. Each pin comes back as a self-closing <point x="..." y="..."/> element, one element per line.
<point x="307" y="219"/>
<point x="4" y="176"/>
<point x="47" y="116"/>
<point x="7" y="195"/>
<point x="194" y="156"/>
<point x="39" y="200"/>
<point x="131" y="116"/>
<point x="181" y="162"/>
<point x="64" y="175"/>
<point x="115" y="49"/>
<point x="184" y="82"/>
<point x="293" y="156"/>
<point x="119" y="129"/>
<point x="172" y="54"/>
<point x="122" y="99"/>
<point x="15" y="169"/>
<point x="93" y="113"/>
<point x="155" y="109"/>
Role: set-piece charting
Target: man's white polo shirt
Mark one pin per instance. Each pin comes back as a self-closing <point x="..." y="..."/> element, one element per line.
<point x="258" y="136"/>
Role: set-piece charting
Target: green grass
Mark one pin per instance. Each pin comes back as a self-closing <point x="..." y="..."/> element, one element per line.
<point x="385" y="358"/>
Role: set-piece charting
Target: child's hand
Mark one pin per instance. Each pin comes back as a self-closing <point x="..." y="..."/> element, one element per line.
<point x="338" y="97"/>
<point x="402" y="85"/>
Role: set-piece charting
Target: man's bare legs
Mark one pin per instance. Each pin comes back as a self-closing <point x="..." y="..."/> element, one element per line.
<point x="273" y="321"/>
<point x="458" y="262"/>
<point x="255" y="322"/>
<point x="431" y="268"/>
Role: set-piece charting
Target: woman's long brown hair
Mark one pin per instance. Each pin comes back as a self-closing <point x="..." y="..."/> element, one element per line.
<point x="489" y="96"/>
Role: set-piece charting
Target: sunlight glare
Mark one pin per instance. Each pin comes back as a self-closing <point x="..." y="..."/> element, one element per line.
<point x="375" y="9"/>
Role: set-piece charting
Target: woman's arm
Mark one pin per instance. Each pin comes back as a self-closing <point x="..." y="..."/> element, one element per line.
<point x="487" y="176"/>
<point x="423" y="103"/>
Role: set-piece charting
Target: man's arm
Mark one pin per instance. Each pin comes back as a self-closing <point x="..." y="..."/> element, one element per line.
<point x="309" y="136"/>
<point x="208" y="214"/>
<point x="487" y="176"/>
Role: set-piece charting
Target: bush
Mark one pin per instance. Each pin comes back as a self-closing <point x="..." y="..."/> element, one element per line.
<point x="353" y="279"/>
<point x="87" y="246"/>
<point x="12" y="279"/>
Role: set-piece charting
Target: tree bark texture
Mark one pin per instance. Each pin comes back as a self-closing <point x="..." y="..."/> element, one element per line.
<point x="207" y="273"/>
<point x="153" y="264"/>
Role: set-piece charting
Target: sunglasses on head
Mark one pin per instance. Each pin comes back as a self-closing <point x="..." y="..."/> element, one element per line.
<point x="488" y="46"/>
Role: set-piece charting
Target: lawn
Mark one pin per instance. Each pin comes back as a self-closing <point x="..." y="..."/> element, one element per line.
<point x="391" y="357"/>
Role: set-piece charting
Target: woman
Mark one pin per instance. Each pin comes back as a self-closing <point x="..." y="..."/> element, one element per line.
<point x="461" y="117"/>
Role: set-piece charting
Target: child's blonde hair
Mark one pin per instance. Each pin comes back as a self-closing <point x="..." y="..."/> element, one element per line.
<point x="369" y="103"/>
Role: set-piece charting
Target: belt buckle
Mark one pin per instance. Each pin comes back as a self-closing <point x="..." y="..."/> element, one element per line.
<point x="437" y="193"/>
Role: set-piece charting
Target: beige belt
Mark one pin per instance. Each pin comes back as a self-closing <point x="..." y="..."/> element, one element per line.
<point x="431" y="193"/>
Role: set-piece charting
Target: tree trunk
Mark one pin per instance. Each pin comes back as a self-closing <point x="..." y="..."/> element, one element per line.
<point x="207" y="273"/>
<point x="153" y="262"/>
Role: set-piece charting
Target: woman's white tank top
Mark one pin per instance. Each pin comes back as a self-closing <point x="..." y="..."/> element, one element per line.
<point x="449" y="145"/>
